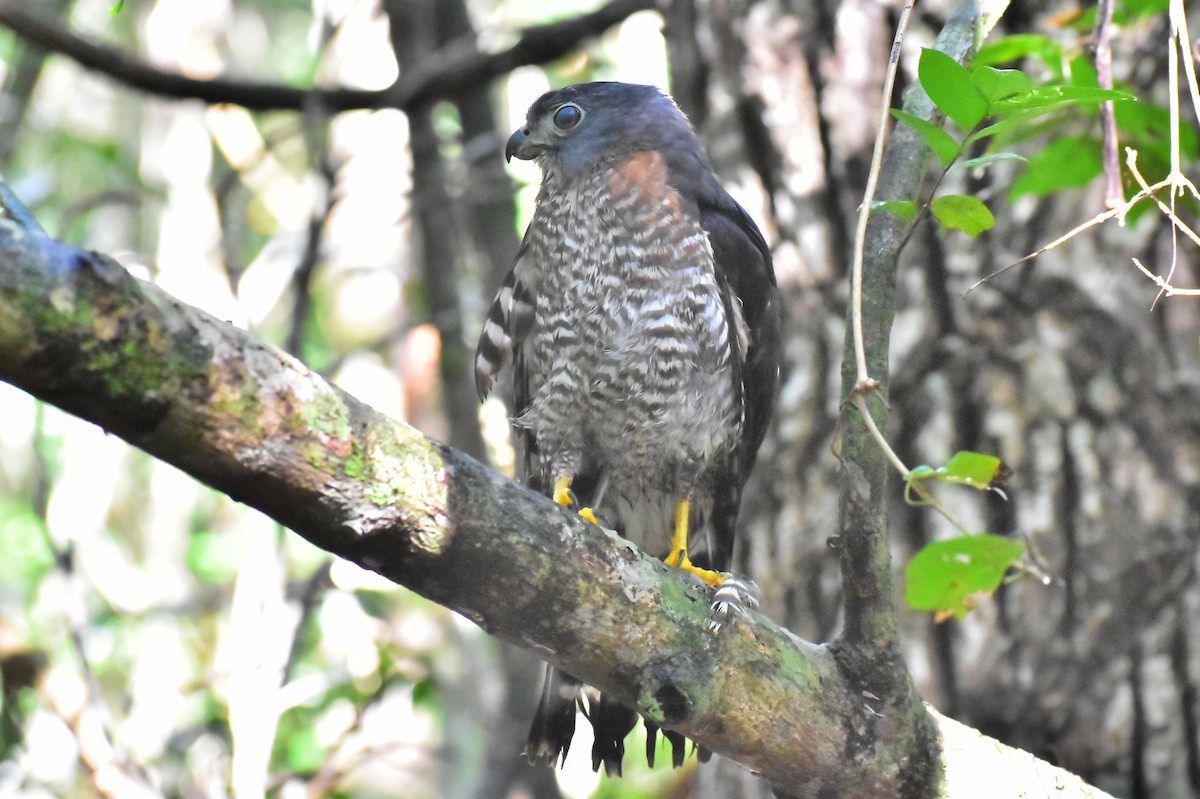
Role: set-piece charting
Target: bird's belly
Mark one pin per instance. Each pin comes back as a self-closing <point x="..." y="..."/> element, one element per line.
<point x="657" y="417"/>
<point x="643" y="392"/>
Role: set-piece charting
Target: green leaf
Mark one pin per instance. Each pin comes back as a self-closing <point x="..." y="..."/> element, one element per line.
<point x="1066" y="163"/>
<point x="1023" y="45"/>
<point x="905" y="209"/>
<point x="1083" y="72"/>
<point x="1051" y="98"/>
<point x="949" y="86"/>
<point x="1010" y="128"/>
<point x="975" y="469"/>
<point x="942" y="143"/>
<point x="1015" y="114"/>
<point x="987" y="160"/>
<point x="949" y="577"/>
<point x="960" y="212"/>
<point x="213" y="557"/>
<point x="1137" y="9"/>
<point x="1000" y="84"/>
<point x="1147" y="126"/>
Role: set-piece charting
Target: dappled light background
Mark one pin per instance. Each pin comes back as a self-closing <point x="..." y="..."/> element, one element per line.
<point x="157" y="638"/>
<point x="178" y="642"/>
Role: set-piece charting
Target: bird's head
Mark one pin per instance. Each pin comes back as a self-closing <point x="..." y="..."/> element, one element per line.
<point x="588" y="126"/>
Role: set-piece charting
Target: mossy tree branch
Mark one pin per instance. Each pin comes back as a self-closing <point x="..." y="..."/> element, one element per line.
<point x="78" y="331"/>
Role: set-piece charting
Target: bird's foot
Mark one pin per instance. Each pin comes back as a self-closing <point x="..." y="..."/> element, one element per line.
<point x="679" y="559"/>
<point x="565" y="497"/>
<point x="734" y="597"/>
<point x="562" y="491"/>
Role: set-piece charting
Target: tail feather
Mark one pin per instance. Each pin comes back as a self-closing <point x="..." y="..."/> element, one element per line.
<point x="611" y="722"/>
<point x="553" y="727"/>
<point x="554" y="721"/>
<point x="651" y="742"/>
<point x="678" y="747"/>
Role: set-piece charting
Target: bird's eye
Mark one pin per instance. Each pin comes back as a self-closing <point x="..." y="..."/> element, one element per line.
<point x="568" y="117"/>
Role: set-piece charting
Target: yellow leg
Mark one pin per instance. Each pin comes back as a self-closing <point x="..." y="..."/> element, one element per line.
<point x="679" y="544"/>
<point x="562" y="495"/>
<point x="562" y="490"/>
<point x="679" y="548"/>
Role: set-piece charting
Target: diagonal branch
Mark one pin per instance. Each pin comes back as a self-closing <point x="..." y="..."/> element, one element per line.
<point x="450" y="71"/>
<point x="78" y="331"/>
<point x="242" y="416"/>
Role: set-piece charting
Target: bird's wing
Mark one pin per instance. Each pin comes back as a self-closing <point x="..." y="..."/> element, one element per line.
<point x="747" y="278"/>
<point x="744" y="268"/>
<point x="508" y="320"/>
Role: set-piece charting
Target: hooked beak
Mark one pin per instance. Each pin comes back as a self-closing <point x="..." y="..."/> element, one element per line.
<point x="521" y="146"/>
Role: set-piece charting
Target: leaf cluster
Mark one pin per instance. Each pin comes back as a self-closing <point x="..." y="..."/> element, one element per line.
<point x="991" y="107"/>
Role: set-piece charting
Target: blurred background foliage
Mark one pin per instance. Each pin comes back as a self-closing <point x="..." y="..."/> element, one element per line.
<point x="157" y="638"/>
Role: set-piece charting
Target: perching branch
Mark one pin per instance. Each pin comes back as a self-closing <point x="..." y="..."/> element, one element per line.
<point x="78" y="331"/>
<point x="448" y="73"/>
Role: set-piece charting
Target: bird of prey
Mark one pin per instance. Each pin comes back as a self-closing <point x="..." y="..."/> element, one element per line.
<point x="642" y="322"/>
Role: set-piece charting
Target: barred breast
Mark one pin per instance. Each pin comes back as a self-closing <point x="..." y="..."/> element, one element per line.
<point x="629" y="357"/>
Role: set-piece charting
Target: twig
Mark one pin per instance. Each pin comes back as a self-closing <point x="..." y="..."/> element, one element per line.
<point x="1176" y="183"/>
<point x="1166" y="289"/>
<point x="313" y="590"/>
<point x="1120" y="212"/>
<point x="864" y="380"/>
<point x="445" y="74"/>
<point x="15" y="210"/>
<point x="311" y="255"/>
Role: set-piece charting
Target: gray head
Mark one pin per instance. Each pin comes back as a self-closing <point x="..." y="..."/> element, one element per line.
<point x="576" y="130"/>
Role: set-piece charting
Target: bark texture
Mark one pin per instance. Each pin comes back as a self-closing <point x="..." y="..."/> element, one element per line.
<point x="78" y="331"/>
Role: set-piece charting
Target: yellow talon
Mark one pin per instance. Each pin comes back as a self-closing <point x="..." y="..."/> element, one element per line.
<point x="679" y="549"/>
<point x="562" y="491"/>
<point x="564" y="497"/>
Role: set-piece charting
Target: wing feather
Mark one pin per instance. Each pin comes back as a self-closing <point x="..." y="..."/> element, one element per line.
<point x="747" y="278"/>
<point x="508" y="321"/>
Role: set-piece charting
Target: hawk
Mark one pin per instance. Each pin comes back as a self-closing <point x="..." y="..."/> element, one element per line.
<point x="642" y="322"/>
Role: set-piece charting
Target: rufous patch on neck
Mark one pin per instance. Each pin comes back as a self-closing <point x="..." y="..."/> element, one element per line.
<point x="644" y="173"/>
